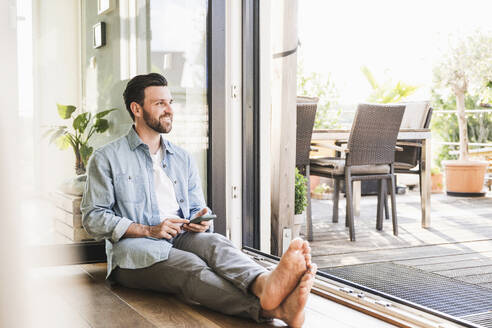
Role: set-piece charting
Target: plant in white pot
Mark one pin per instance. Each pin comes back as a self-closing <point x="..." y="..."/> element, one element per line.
<point x="466" y="66"/>
<point x="300" y="202"/>
<point x="84" y="126"/>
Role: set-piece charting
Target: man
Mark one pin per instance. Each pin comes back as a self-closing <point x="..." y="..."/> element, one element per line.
<point x="141" y="192"/>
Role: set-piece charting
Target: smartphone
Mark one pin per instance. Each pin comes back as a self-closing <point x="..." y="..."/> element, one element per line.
<point x="206" y="217"/>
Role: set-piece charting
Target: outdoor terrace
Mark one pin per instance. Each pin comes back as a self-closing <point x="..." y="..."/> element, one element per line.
<point x="458" y="226"/>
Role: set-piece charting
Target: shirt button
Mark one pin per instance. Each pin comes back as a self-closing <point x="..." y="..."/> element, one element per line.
<point x="181" y="200"/>
<point x="175" y="181"/>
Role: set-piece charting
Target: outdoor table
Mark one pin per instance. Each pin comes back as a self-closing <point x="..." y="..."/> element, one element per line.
<point x="320" y="136"/>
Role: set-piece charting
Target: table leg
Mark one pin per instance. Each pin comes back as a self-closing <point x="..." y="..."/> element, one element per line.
<point x="357" y="194"/>
<point x="426" y="183"/>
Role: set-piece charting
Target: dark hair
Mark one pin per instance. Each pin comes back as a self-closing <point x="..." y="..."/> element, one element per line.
<point x="135" y="89"/>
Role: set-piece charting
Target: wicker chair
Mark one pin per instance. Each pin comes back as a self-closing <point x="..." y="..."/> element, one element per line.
<point x="306" y="113"/>
<point x="409" y="160"/>
<point x="369" y="155"/>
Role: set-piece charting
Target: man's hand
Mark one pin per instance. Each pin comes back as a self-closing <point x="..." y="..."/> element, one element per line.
<point x="200" y="227"/>
<point x="167" y="229"/>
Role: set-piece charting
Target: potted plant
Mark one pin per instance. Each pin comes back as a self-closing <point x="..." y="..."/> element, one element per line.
<point x="467" y="66"/>
<point x="83" y="127"/>
<point x="300" y="202"/>
<point x="436" y="180"/>
<point x="322" y="191"/>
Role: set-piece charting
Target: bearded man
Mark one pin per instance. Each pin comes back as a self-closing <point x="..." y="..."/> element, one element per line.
<point x="140" y="195"/>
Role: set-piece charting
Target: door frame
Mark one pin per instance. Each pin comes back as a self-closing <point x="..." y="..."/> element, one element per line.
<point x="251" y="187"/>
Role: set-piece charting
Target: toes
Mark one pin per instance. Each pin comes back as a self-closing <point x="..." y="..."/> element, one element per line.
<point x="305" y="247"/>
<point x="296" y="244"/>
<point x="313" y="269"/>
<point x="305" y="278"/>
<point x="307" y="258"/>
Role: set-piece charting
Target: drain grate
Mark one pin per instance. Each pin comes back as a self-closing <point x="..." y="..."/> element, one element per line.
<point x="453" y="297"/>
<point x="481" y="319"/>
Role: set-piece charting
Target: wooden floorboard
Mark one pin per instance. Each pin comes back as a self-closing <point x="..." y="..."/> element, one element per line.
<point x="47" y="308"/>
<point x="97" y="305"/>
<point x="164" y="310"/>
<point x="440" y="260"/>
<point x="79" y="296"/>
<point x="155" y="307"/>
<point x="463" y="264"/>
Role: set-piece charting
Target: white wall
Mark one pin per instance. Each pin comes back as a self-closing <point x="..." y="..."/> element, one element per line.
<point x="56" y="35"/>
<point x="12" y="301"/>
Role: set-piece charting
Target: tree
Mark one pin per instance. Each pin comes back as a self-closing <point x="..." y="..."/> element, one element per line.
<point x="387" y="92"/>
<point x="314" y="84"/>
<point x="465" y="66"/>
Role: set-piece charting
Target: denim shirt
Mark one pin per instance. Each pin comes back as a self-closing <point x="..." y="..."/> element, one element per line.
<point x="120" y="191"/>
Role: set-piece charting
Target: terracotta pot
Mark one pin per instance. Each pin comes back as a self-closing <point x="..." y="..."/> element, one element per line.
<point x="321" y="196"/>
<point x="464" y="177"/>
<point x="313" y="182"/>
<point x="437" y="183"/>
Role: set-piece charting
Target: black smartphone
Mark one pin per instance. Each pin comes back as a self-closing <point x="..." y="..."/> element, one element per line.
<point x="206" y="217"/>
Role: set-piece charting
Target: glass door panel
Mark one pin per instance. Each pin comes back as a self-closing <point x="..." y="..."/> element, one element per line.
<point x="178" y="50"/>
<point x="83" y="55"/>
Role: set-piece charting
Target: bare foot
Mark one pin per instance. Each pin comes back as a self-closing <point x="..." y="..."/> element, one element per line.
<point x="291" y="311"/>
<point x="285" y="277"/>
<point x="306" y="250"/>
<point x="307" y="258"/>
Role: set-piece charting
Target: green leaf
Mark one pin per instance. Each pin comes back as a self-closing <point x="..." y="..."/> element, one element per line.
<point x="56" y="134"/>
<point x="81" y="122"/>
<point x="53" y="129"/>
<point x="101" y="125"/>
<point x="48" y="132"/>
<point x="65" y="111"/>
<point x="300" y="189"/>
<point x="370" y="78"/>
<point x="62" y="142"/>
<point x="105" y="112"/>
<point x="85" y="153"/>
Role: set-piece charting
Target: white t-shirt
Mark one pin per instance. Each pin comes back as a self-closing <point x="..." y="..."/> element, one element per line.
<point x="164" y="189"/>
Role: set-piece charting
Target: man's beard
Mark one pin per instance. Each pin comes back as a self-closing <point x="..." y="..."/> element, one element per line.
<point x="157" y="124"/>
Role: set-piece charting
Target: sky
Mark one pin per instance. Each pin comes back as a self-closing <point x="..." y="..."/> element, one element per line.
<point x="395" y="39"/>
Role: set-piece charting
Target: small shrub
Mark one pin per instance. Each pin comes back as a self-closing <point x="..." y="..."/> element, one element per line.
<point x="300" y="202"/>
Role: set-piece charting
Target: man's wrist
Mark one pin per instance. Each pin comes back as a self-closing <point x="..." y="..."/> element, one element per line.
<point x="147" y="231"/>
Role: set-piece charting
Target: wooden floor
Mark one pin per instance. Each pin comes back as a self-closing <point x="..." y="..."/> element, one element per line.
<point x="79" y="296"/>
<point x="458" y="244"/>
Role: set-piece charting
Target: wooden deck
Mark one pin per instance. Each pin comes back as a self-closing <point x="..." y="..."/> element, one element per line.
<point x="458" y="244"/>
<point x="79" y="296"/>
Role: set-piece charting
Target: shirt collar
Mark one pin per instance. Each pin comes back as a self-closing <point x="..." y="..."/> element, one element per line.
<point x="167" y="146"/>
<point x="134" y="141"/>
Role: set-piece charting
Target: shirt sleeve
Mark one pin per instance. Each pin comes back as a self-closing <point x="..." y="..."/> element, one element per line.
<point x="98" y="217"/>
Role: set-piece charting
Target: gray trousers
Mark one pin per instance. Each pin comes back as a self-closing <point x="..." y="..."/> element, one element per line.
<point x="202" y="268"/>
